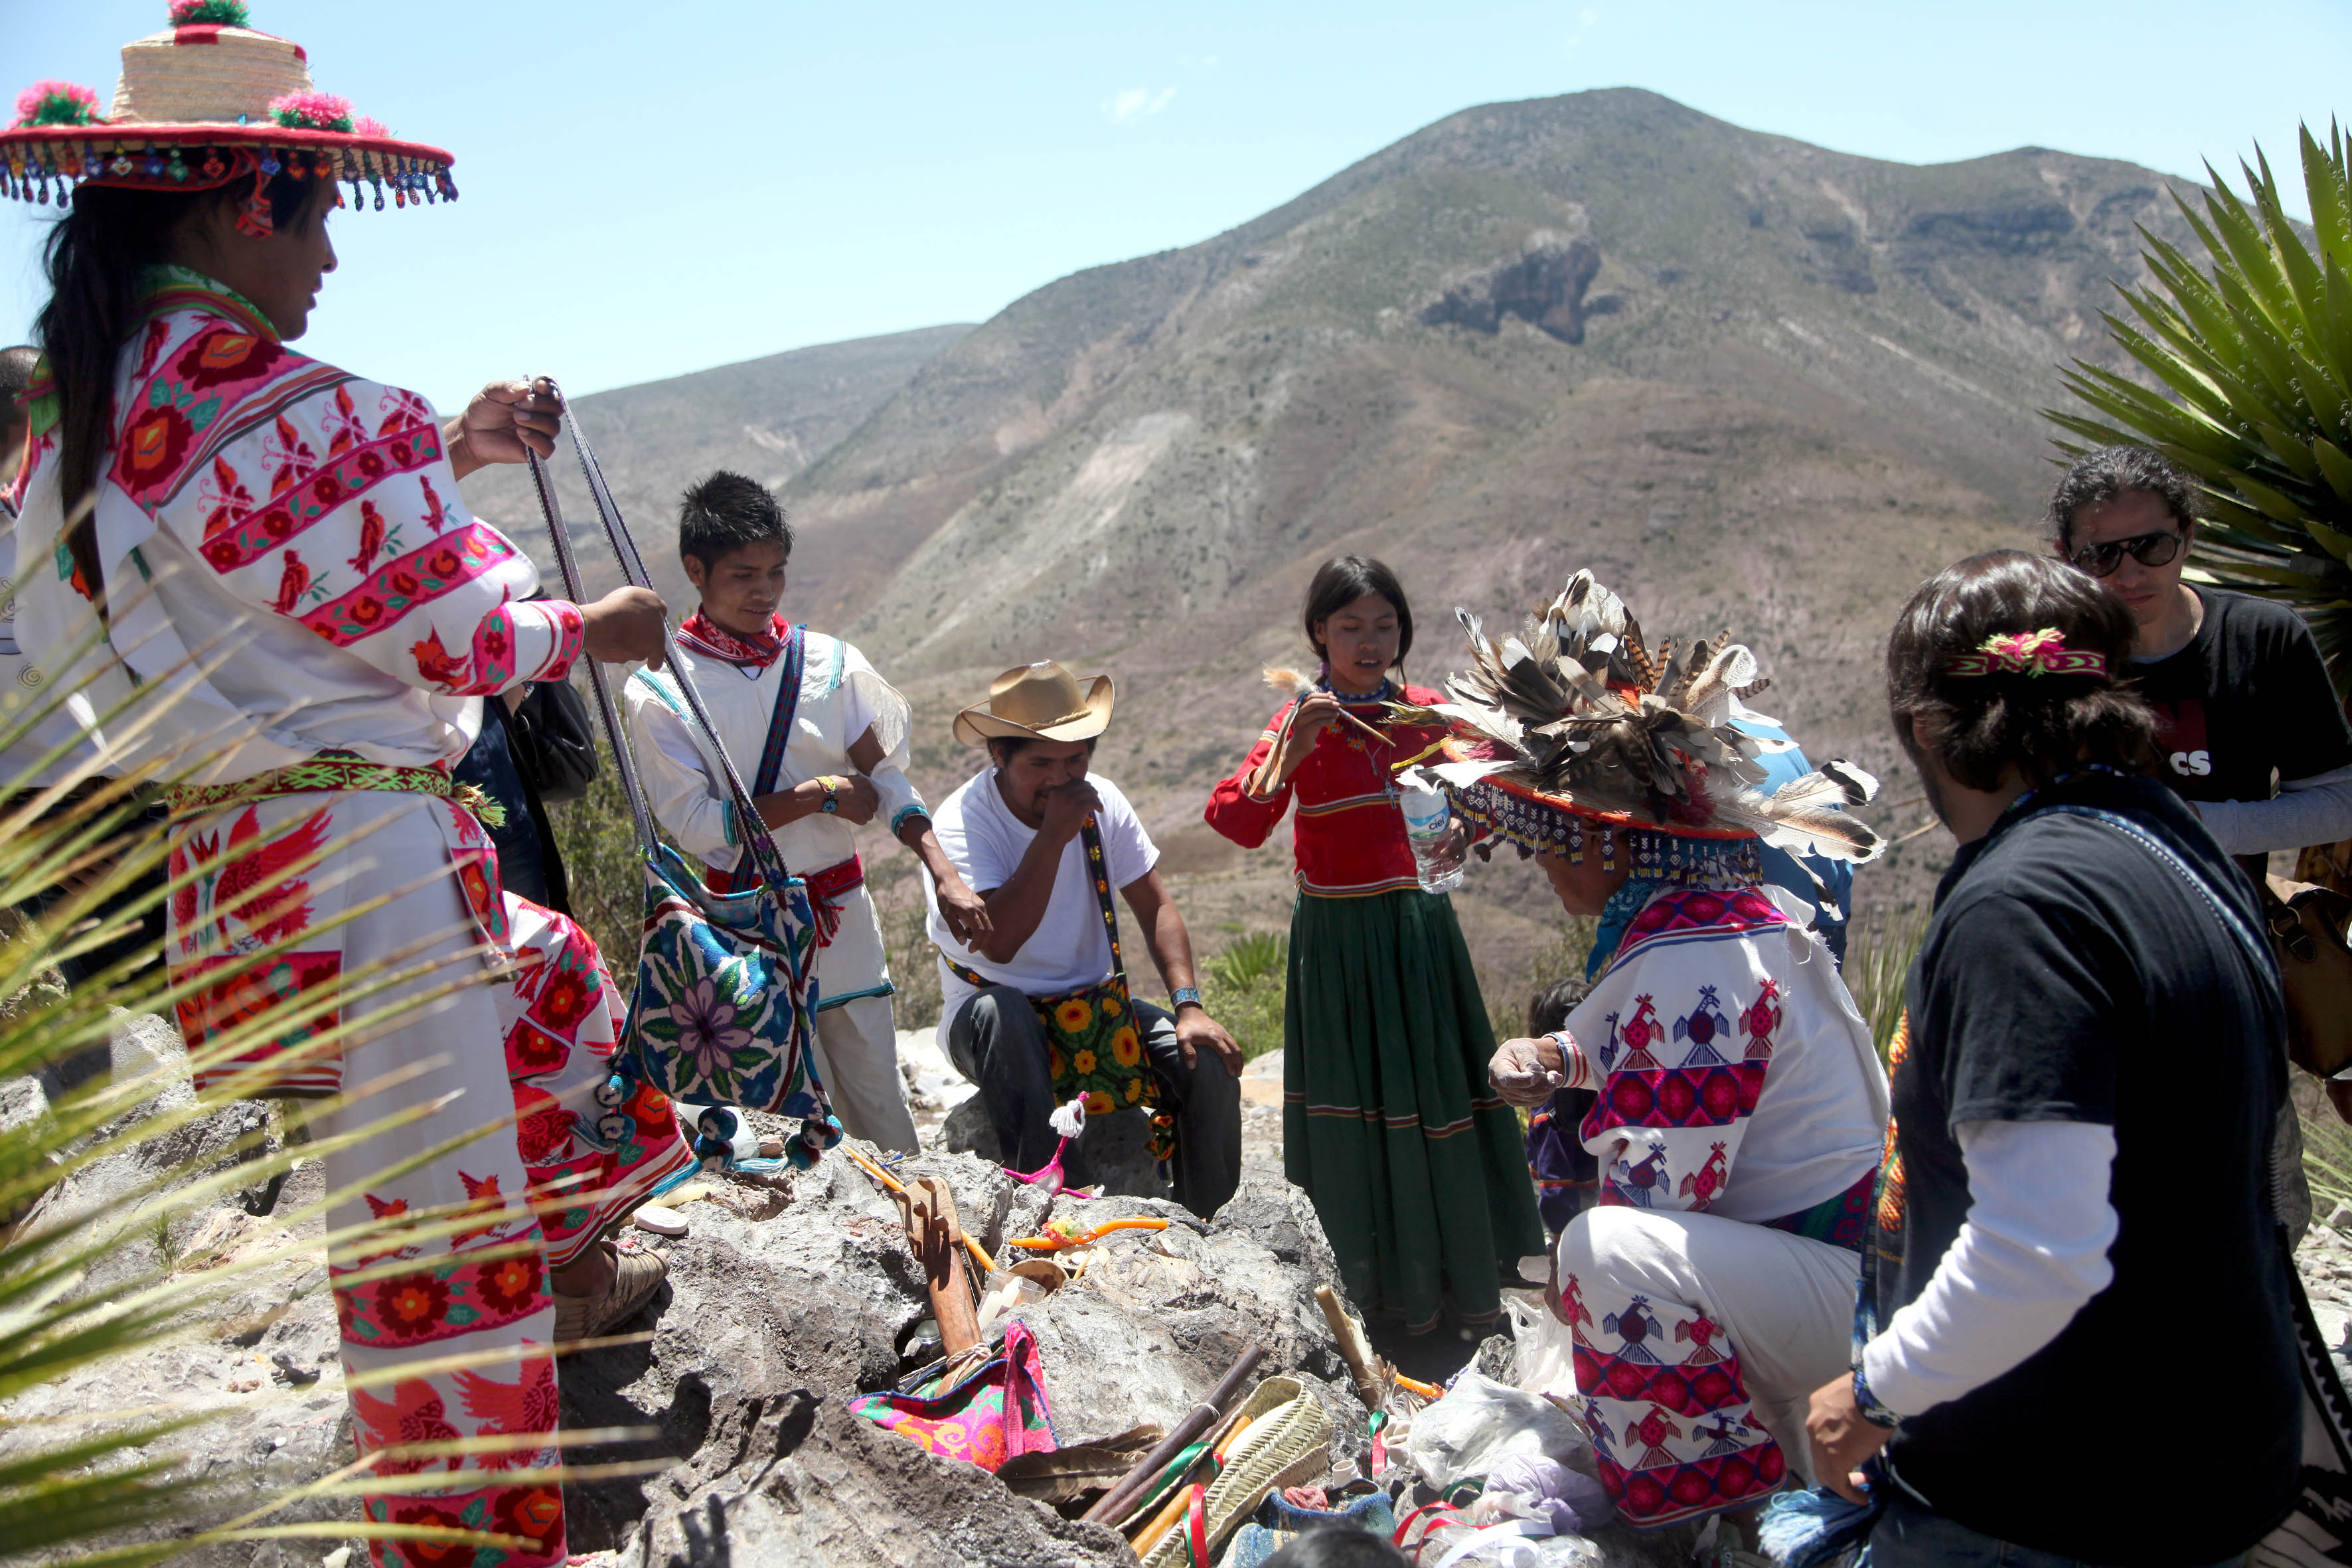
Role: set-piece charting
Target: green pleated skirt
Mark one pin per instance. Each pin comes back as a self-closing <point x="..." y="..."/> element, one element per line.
<point x="1417" y="1170"/>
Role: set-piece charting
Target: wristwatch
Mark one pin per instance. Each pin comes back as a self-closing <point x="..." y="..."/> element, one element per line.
<point x="1184" y="995"/>
<point x="831" y="805"/>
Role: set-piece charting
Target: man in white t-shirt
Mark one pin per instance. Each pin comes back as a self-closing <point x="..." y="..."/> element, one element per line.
<point x="1024" y="832"/>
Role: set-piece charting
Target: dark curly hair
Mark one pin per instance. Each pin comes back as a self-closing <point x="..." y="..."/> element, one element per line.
<point x="2102" y="474"/>
<point x="1977" y="725"/>
<point x="723" y="513"/>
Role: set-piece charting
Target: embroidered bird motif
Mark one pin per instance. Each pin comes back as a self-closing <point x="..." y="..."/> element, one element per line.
<point x="414" y="1414"/>
<point x="385" y="1211"/>
<point x="1700" y="1331"/>
<point x="513" y="1409"/>
<point x="1633" y="1325"/>
<point x="1763" y="1017"/>
<point x="344" y="424"/>
<point x="231" y="499"/>
<point x="486" y="1199"/>
<point x="1642" y="1177"/>
<point x="371" y="538"/>
<point x="1701" y="1185"/>
<point x="434" y="662"/>
<point x="292" y="583"/>
<point x="1701" y="1027"/>
<point x="1572" y="1307"/>
<point x="435" y="512"/>
<point x="258" y="885"/>
<point x="1652" y="1432"/>
<point x="1727" y="1435"/>
<point x="1638" y="1034"/>
<point x="294" y="458"/>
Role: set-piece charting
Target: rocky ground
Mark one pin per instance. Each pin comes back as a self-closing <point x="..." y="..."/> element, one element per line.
<point x="789" y="1297"/>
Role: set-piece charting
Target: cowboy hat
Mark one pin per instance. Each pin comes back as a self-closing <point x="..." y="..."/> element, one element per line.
<point x="1040" y="701"/>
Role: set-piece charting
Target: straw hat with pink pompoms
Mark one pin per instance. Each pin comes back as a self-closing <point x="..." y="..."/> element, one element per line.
<point x="207" y="102"/>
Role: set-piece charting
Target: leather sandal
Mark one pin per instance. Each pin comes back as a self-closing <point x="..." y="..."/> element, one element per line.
<point x="637" y="1273"/>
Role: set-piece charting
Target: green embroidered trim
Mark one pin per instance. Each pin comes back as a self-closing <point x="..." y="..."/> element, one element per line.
<point x="333" y="773"/>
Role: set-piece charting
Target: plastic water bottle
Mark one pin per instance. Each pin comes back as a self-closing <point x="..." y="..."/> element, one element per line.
<point x="1428" y="818"/>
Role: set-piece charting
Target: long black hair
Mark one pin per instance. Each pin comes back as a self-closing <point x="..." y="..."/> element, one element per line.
<point x="1343" y="579"/>
<point x="96" y="257"/>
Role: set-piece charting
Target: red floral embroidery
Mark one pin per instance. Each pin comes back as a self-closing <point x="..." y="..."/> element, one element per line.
<point x="511" y="1286"/>
<point x="414" y="1303"/>
<point x="535" y="1513"/>
<point x="542" y="1126"/>
<point x="223" y="354"/>
<point x="153" y="447"/>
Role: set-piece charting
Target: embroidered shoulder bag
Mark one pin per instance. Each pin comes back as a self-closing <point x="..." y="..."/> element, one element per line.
<point x="723" y="1009"/>
<point x="1092" y="1047"/>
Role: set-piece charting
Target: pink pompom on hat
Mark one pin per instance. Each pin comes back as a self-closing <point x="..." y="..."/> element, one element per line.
<point x="208" y="102"/>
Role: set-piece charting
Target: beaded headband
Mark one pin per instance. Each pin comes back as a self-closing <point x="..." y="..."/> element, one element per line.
<point x="2028" y="653"/>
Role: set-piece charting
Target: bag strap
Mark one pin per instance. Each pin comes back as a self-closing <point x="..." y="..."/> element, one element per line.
<point x="794" y="658"/>
<point x="2320" y="1378"/>
<point x="1098" y="868"/>
<point x="758" y="844"/>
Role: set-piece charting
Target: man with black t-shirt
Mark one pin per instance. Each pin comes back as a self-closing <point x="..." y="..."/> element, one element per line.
<point x="2092" y="999"/>
<point x="2247" y="724"/>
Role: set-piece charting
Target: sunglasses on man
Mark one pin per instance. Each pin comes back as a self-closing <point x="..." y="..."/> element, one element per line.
<point x="2148" y="549"/>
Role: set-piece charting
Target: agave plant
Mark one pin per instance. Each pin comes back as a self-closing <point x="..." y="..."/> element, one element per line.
<point x="2255" y="352"/>
<point x="110" y="1487"/>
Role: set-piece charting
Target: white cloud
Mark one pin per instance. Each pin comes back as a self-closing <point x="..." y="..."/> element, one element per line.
<point x="1137" y="103"/>
<point x="1584" y="22"/>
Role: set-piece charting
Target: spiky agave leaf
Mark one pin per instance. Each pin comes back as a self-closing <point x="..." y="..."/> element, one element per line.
<point x="2253" y="351"/>
<point x="88" y="1485"/>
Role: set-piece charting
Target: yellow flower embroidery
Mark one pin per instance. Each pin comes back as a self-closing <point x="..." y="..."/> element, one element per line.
<point x="1125" y="1048"/>
<point x="1053" y="1062"/>
<point x="1112" y="1009"/>
<point x="1074" y="1014"/>
<point x="1084" y="1061"/>
<point x="1097" y="1103"/>
<point x="1134" y="1089"/>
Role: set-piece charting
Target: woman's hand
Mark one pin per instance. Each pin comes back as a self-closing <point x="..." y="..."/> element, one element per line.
<point x="1316" y="712"/>
<point x="1841" y="1437"/>
<point x="505" y="422"/>
<point x="1525" y="1072"/>
<point x="626" y="624"/>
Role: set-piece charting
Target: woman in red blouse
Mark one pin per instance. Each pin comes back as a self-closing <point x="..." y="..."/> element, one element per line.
<point x="1389" y="1121"/>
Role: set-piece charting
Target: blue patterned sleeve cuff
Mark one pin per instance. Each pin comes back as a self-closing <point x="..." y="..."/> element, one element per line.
<point x="899" y="820"/>
<point x="1874" y="1412"/>
<point x="727" y="823"/>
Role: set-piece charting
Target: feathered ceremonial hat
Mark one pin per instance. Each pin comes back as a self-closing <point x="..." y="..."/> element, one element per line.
<point x="207" y="102"/>
<point x="1575" y="725"/>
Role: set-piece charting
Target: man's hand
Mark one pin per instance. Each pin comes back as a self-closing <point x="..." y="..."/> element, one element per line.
<point x="1841" y="1437"/>
<point x="1525" y="1072"/>
<point x="505" y="422"/>
<point x="626" y="624"/>
<point x="1066" y="809"/>
<point x="964" y="912"/>
<point x="855" y="798"/>
<point x="1195" y="1028"/>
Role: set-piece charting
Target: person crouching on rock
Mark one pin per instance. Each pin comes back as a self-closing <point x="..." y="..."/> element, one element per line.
<point x="1740" y="1099"/>
<point x="271" y="552"/>
<point x="1388" y="1123"/>
<point x="2094" y="994"/>
<point x="1037" y="1012"/>
<point x="820" y="741"/>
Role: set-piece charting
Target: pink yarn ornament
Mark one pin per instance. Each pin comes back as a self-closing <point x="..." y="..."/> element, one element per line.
<point x="57" y="103"/>
<point x="311" y="112"/>
<point x="368" y="125"/>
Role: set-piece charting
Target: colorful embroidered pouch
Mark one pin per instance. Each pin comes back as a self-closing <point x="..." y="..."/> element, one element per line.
<point x="985" y="1418"/>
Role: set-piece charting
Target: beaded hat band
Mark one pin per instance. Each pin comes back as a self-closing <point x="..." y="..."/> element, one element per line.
<point x="210" y="102"/>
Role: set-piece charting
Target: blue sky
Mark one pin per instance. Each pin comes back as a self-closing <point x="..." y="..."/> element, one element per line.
<point x="652" y="189"/>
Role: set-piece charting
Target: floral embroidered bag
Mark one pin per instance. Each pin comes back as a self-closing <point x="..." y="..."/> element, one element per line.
<point x="984" y="1417"/>
<point x="723" y="1012"/>
<point x="1092" y="1047"/>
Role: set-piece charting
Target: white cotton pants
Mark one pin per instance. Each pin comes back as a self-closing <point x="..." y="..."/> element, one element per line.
<point x="858" y="1057"/>
<point x="1659" y="1301"/>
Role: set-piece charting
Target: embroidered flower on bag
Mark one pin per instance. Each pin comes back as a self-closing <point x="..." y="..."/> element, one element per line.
<point x="707" y="1034"/>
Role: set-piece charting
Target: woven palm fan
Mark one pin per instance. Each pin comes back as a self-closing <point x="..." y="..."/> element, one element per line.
<point x="1283" y="1439"/>
<point x="1576" y="724"/>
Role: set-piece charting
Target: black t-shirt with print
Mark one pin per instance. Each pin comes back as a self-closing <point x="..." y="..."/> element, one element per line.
<point x="2070" y="975"/>
<point x="2248" y="695"/>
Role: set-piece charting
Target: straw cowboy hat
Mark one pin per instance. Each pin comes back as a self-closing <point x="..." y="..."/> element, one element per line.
<point x="1040" y="701"/>
<point x="207" y="102"/>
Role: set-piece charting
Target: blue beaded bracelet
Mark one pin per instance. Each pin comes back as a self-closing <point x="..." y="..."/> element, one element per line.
<point x="1874" y="1412"/>
<point x="1184" y="995"/>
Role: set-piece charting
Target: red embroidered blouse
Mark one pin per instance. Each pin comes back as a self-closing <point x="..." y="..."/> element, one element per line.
<point x="1350" y="836"/>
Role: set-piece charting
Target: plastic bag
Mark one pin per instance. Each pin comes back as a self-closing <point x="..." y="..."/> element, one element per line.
<point x="1480" y="1423"/>
<point x="1546" y="1346"/>
<point x="1533" y="1486"/>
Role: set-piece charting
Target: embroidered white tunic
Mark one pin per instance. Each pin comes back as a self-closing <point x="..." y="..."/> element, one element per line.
<point x="284" y="551"/>
<point x="841" y="697"/>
